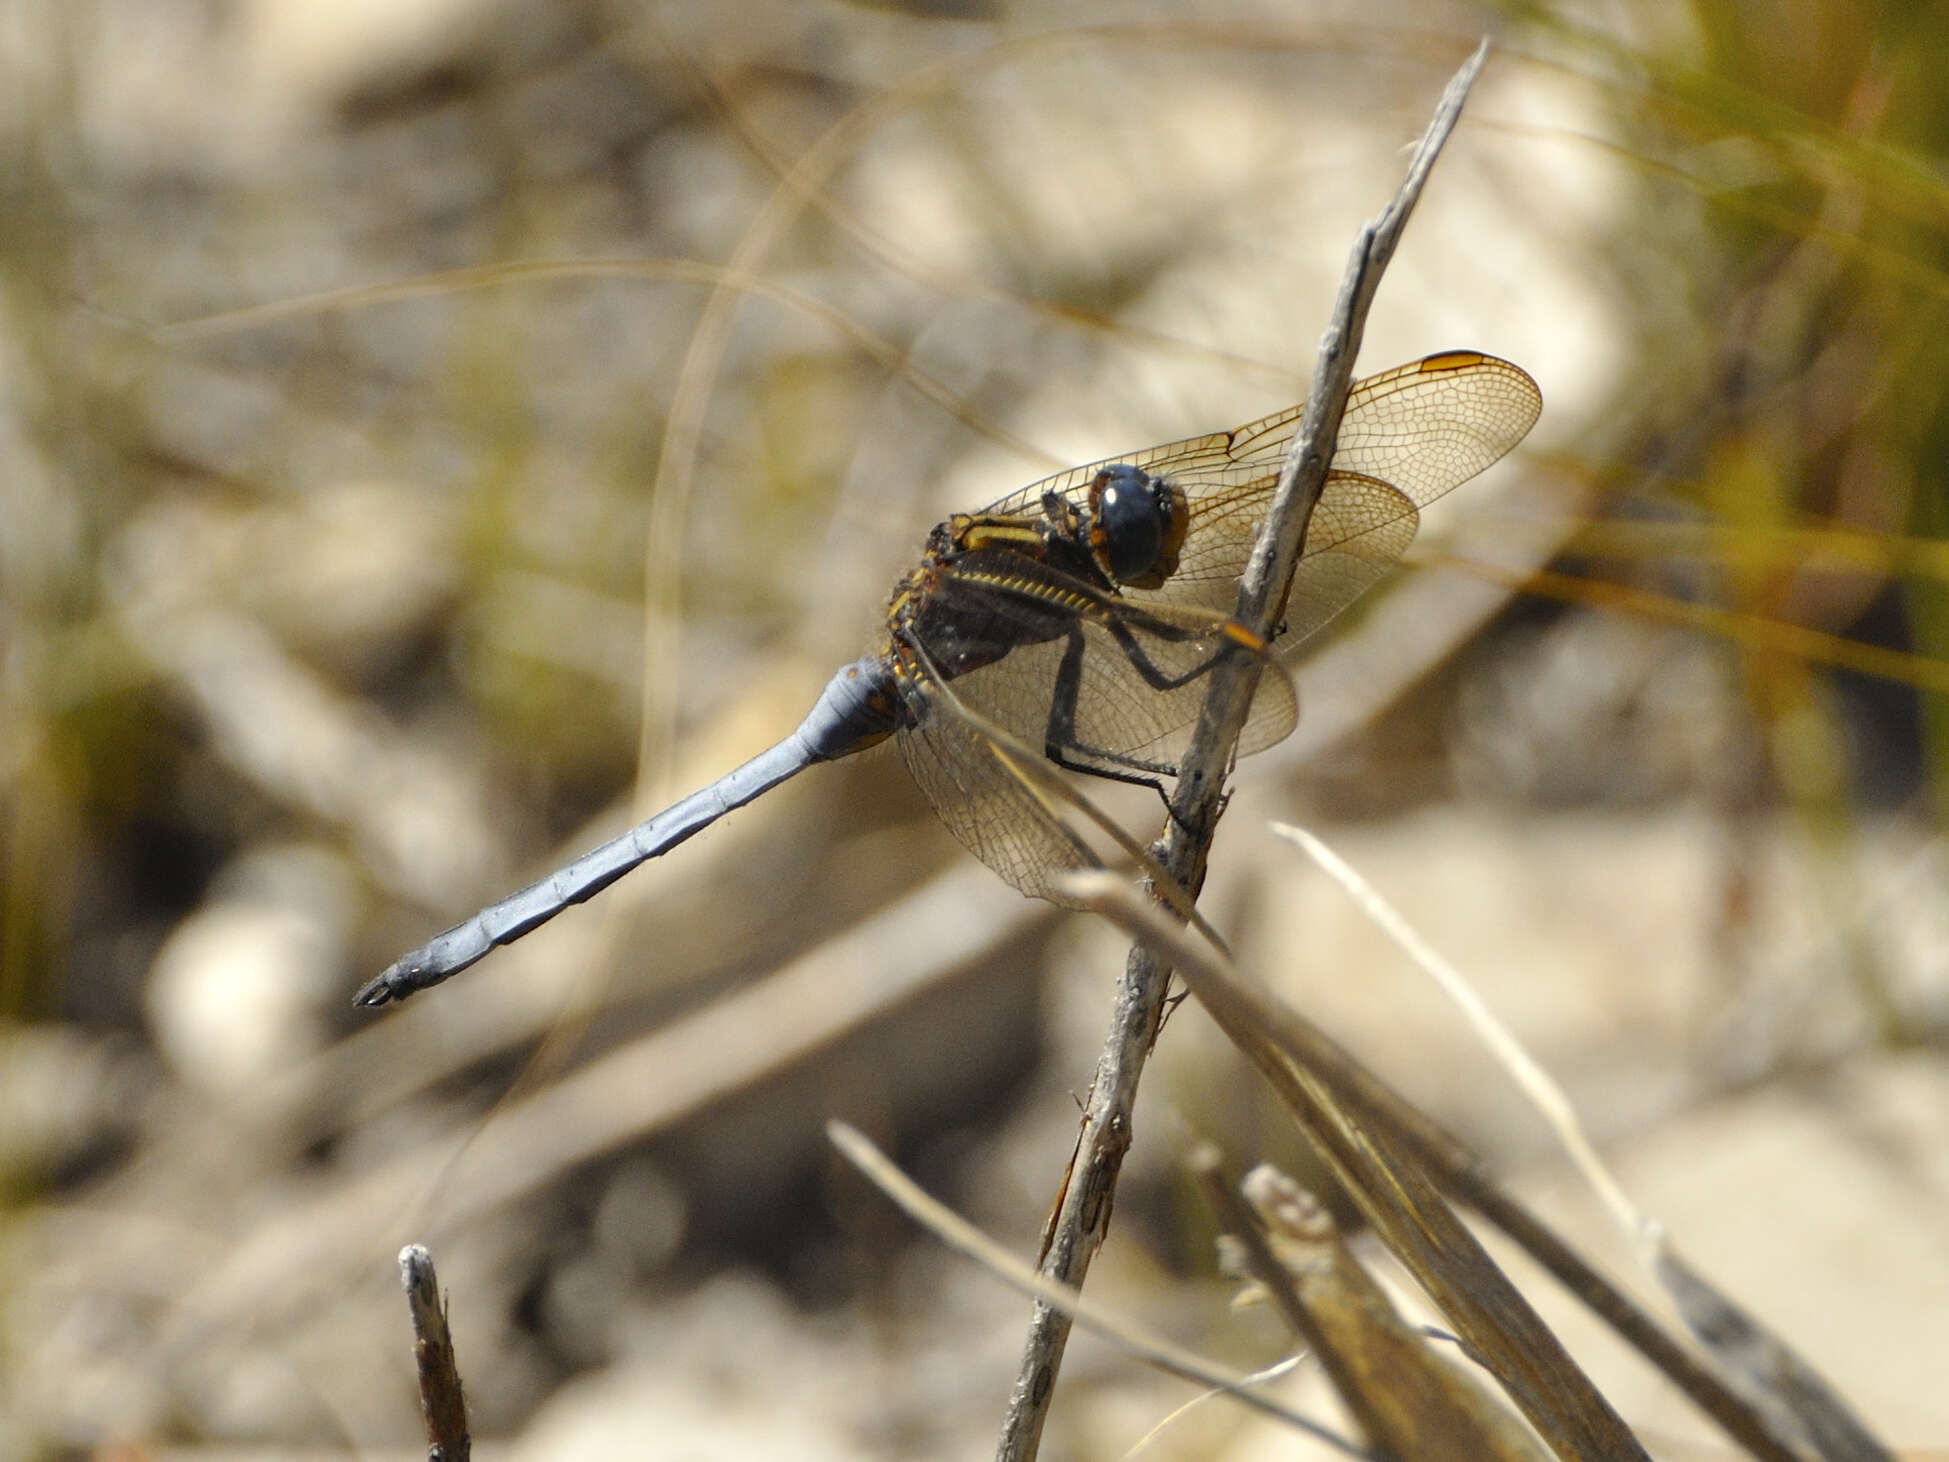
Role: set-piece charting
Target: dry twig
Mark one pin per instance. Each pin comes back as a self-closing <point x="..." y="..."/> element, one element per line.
<point x="1082" y="1218"/>
<point x="441" y="1399"/>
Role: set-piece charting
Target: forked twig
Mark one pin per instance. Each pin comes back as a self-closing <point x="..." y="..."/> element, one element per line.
<point x="1082" y="1219"/>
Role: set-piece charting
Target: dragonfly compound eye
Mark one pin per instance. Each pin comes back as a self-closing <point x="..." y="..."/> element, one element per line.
<point x="1137" y="525"/>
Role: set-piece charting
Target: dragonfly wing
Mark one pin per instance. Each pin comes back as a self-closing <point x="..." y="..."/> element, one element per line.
<point x="1422" y="429"/>
<point x="1359" y="529"/>
<point x="1427" y="426"/>
<point x="1430" y="426"/>
<point x="1274" y="713"/>
<point x="1409" y="436"/>
<point x="978" y="789"/>
<point x="1135" y="725"/>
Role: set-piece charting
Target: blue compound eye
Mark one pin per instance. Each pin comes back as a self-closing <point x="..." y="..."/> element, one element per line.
<point x="1136" y="525"/>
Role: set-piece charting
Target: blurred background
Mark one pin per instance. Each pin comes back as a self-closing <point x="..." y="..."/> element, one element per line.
<point x="434" y="434"/>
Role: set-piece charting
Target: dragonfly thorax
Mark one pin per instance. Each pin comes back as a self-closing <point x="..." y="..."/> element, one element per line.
<point x="1137" y="525"/>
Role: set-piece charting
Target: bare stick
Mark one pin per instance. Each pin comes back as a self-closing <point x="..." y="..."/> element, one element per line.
<point x="441" y="1401"/>
<point x="1082" y="1219"/>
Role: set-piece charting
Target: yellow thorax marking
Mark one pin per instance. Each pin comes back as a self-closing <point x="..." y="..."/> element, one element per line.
<point x="990" y="532"/>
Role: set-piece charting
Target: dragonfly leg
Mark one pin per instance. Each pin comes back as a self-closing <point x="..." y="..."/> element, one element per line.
<point x="1154" y="677"/>
<point x="1062" y="746"/>
<point x="1061" y="742"/>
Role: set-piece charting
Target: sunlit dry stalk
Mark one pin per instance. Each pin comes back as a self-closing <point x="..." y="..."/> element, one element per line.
<point x="1081" y="1222"/>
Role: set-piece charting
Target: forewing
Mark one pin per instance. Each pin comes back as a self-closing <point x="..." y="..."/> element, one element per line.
<point x="1420" y="429"/>
<point x="1359" y="529"/>
<point x="1430" y="426"/>
<point x="1409" y="435"/>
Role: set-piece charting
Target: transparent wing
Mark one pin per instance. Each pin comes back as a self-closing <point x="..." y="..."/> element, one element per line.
<point x="1409" y="435"/>
<point x="1359" y="529"/>
<point x="979" y="792"/>
<point x="1134" y="726"/>
<point x="998" y="796"/>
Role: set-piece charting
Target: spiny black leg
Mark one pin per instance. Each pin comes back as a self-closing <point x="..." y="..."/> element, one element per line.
<point x="1059" y="738"/>
<point x="1155" y="678"/>
<point x="1061" y="743"/>
<point x="1061" y="730"/>
<point x="1109" y="773"/>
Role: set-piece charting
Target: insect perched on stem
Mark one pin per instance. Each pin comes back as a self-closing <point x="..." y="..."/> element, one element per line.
<point x="1076" y="620"/>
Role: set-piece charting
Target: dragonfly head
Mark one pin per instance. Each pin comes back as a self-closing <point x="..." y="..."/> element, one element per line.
<point x="1137" y="525"/>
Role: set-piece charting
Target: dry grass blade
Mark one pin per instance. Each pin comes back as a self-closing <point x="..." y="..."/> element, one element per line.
<point x="1082" y="1218"/>
<point x="965" y="1239"/>
<point x="1542" y="1090"/>
<point x="1409" y="1401"/>
<point x="1398" y="1199"/>
<point x="1459" y="1172"/>
<point x="1799" y="1406"/>
<point x="1796" y="1401"/>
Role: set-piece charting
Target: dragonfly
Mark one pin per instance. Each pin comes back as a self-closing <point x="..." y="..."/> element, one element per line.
<point x="1073" y="624"/>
